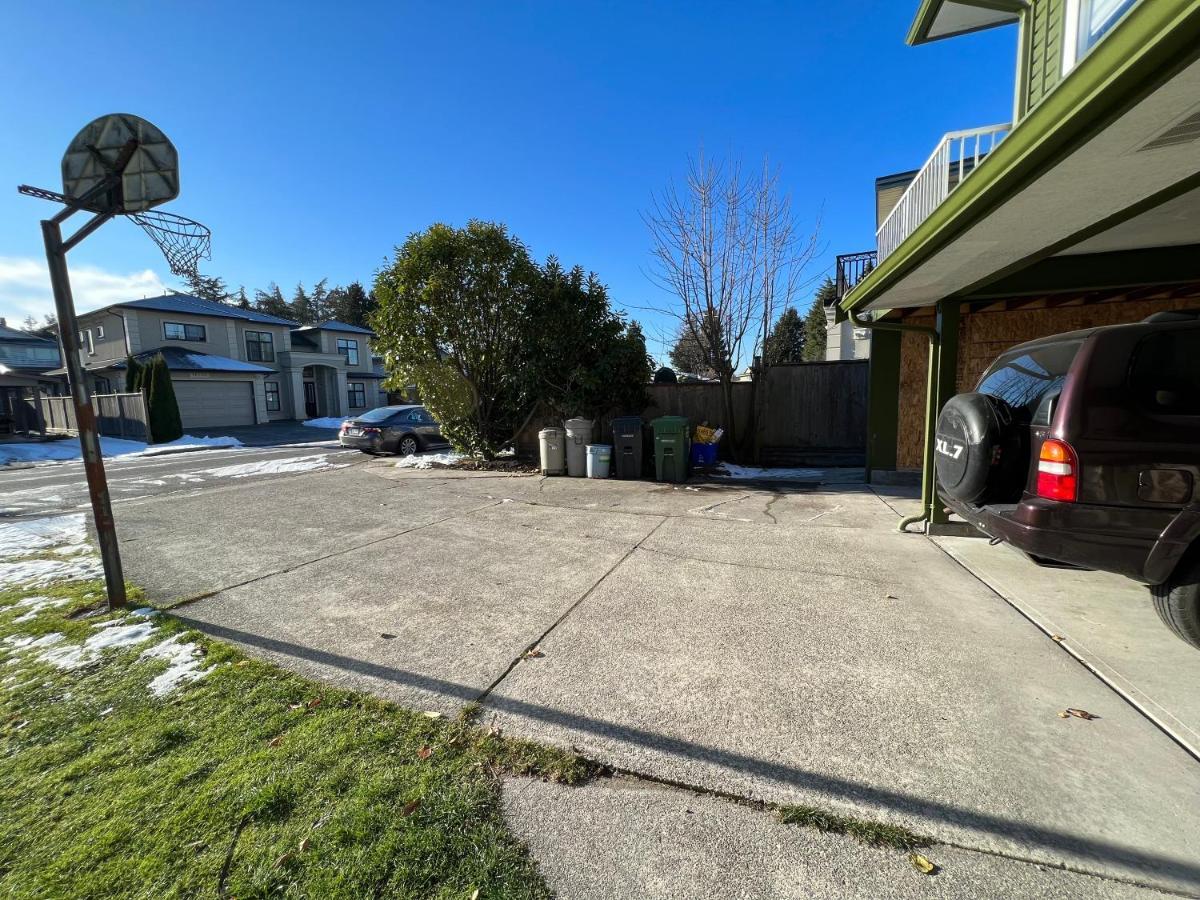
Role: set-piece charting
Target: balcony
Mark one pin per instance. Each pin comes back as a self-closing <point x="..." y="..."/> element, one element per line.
<point x="956" y="157"/>
<point x="851" y="269"/>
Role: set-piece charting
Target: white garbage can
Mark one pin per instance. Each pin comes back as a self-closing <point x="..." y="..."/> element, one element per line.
<point x="552" y="451"/>
<point x="599" y="460"/>
<point x="579" y="435"/>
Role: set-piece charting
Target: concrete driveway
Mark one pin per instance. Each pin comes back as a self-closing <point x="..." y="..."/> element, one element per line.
<point x="745" y="644"/>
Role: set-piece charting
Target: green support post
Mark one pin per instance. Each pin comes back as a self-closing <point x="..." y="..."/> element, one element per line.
<point x="883" y="400"/>
<point x="942" y="385"/>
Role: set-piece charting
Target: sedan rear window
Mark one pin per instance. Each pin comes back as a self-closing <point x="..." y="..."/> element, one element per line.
<point x="1022" y="378"/>
<point x="379" y="414"/>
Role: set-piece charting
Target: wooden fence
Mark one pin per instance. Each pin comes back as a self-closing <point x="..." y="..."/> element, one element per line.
<point x="813" y="413"/>
<point x="117" y="415"/>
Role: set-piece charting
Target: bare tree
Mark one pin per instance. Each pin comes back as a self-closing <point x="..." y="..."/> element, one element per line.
<point x="728" y="248"/>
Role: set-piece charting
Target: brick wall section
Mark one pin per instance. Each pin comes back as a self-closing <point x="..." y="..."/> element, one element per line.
<point x="985" y="333"/>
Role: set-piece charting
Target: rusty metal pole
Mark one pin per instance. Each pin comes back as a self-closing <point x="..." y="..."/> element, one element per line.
<point x="89" y="439"/>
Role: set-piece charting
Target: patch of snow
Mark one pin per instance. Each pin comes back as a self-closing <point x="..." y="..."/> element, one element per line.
<point x="188" y="442"/>
<point x="145" y="612"/>
<point x="41" y="572"/>
<point x="23" y="537"/>
<point x="428" y="460"/>
<point x="34" y="605"/>
<point x="183" y="664"/>
<point x="29" y="642"/>
<point x="76" y="655"/>
<point x="327" y="422"/>
<point x="271" y="467"/>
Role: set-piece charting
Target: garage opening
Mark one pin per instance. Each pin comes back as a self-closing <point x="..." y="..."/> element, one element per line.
<point x="208" y="404"/>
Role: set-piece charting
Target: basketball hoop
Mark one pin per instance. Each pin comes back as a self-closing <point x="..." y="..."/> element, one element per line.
<point x="118" y="165"/>
<point x="122" y="165"/>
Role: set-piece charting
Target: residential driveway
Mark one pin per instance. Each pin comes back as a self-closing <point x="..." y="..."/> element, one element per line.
<point x="785" y="646"/>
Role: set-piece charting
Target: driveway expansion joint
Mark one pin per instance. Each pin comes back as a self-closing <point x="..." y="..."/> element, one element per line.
<point x="570" y="609"/>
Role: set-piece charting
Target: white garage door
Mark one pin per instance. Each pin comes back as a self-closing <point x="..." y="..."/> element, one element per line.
<point x="205" y="404"/>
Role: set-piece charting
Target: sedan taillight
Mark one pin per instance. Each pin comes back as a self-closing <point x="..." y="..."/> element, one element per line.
<point x="371" y="431"/>
<point x="1058" y="471"/>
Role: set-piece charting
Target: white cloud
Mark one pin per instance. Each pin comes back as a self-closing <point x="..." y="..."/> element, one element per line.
<point x="25" y="288"/>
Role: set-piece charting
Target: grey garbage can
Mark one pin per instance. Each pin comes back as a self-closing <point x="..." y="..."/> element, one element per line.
<point x="627" y="446"/>
<point x="579" y="435"/>
<point x="552" y="451"/>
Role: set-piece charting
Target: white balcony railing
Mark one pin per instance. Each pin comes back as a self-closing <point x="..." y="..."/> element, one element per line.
<point x="954" y="159"/>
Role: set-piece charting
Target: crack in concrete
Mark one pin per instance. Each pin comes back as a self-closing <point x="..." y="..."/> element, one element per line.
<point x="574" y="606"/>
<point x="762" y="568"/>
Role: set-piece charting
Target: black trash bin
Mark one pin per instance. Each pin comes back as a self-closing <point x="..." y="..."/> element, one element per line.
<point x="627" y="446"/>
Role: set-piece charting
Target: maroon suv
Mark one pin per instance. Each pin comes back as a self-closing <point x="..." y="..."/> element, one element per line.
<point x="1084" y="448"/>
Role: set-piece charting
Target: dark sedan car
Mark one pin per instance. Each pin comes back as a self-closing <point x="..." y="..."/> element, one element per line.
<point x="392" y="429"/>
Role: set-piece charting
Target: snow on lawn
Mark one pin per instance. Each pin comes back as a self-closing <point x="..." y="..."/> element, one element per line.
<point x="59" y="451"/>
<point x="42" y="572"/>
<point x="272" y="467"/>
<point x="23" y="537"/>
<point x="328" y="422"/>
<point x="183" y="664"/>
<point x="34" y="605"/>
<point x="428" y="460"/>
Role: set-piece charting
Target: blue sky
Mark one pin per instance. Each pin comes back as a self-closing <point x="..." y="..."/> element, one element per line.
<point x="314" y="137"/>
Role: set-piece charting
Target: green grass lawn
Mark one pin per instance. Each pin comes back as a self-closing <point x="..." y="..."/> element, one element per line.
<point x="249" y="782"/>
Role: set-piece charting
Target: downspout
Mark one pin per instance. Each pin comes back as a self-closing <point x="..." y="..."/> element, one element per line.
<point x="934" y="343"/>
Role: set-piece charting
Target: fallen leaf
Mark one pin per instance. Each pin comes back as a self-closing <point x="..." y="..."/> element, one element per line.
<point x="283" y="859"/>
<point x="295" y="706"/>
<point x="304" y="845"/>
<point x="1057" y="637"/>
<point x="1080" y="713"/>
<point x="535" y="653"/>
<point x="314" y="703"/>
<point x="425" y="752"/>
<point x="275" y="741"/>
<point x="892" y="597"/>
<point x="429" y="714"/>
<point x="410" y="807"/>
<point x="386" y="635"/>
<point x="922" y="863"/>
<point x="1064" y="715"/>
<point x="242" y="662"/>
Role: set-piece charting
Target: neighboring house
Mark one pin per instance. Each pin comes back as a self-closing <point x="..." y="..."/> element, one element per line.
<point x="25" y="360"/>
<point x="232" y="366"/>
<point x="1085" y="210"/>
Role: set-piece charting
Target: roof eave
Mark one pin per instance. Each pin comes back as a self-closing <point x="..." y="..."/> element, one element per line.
<point x="918" y="32"/>
<point x="1146" y="44"/>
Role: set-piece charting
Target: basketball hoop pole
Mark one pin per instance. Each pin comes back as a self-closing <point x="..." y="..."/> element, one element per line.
<point x="85" y="418"/>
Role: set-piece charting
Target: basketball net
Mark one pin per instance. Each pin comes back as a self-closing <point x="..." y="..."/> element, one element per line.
<point x="182" y="241"/>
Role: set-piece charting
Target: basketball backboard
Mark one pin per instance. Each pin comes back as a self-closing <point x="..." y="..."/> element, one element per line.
<point x="150" y="177"/>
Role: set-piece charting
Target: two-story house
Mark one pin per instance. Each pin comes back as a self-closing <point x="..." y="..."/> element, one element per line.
<point x="1083" y="210"/>
<point x="232" y="366"/>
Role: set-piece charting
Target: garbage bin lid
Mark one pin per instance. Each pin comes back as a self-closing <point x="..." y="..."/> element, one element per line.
<point x="670" y="423"/>
<point x="550" y="432"/>
<point x="578" y="423"/>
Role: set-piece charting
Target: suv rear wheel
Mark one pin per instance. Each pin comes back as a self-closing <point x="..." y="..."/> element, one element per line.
<point x="1177" y="601"/>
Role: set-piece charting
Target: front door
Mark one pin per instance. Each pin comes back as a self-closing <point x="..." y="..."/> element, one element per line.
<point x="310" y="399"/>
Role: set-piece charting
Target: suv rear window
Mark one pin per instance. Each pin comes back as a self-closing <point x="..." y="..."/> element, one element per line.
<point x="1165" y="376"/>
<point x="1022" y="378"/>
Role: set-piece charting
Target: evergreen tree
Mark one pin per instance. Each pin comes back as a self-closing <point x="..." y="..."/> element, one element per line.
<point x="271" y="302"/>
<point x="206" y="287"/>
<point x="815" y="335"/>
<point x="351" y="304"/>
<point x="165" y="424"/>
<point x="30" y="324"/>
<point x="694" y="351"/>
<point x="240" y="300"/>
<point x="785" y="343"/>
<point x="318" y="302"/>
<point x="301" y="306"/>
<point x="133" y="375"/>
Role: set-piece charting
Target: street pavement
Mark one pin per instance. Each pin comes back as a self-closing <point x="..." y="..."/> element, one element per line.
<point x="747" y="646"/>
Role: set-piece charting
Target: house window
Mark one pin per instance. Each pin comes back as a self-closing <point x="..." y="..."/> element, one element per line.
<point x="272" y="395"/>
<point x="99" y="332"/>
<point x="1087" y="22"/>
<point x="174" y="331"/>
<point x="348" y="348"/>
<point x="87" y="342"/>
<point x="260" y="346"/>
<point x="358" y="394"/>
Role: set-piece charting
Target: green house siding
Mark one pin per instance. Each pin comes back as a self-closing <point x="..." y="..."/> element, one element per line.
<point x="1046" y="21"/>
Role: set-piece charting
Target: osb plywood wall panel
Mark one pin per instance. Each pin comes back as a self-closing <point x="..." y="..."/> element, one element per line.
<point x="985" y="333"/>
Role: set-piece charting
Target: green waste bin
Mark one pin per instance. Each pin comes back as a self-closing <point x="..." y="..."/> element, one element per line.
<point x="671" y="440"/>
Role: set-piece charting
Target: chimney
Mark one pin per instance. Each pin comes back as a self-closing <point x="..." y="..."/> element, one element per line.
<point x="3" y="322"/>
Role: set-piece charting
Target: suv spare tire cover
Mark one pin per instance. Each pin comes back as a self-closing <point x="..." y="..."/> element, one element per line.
<point x="967" y="444"/>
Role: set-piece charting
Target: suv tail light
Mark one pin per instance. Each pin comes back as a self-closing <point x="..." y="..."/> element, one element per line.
<point x="1058" y="471"/>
